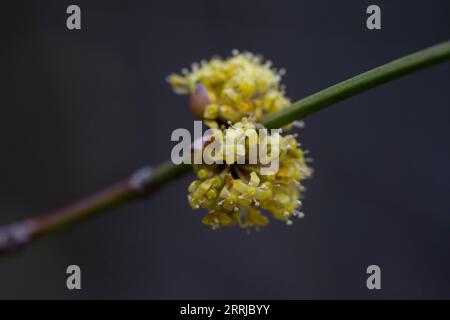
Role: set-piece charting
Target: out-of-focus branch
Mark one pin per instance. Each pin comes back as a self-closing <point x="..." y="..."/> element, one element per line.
<point x="140" y="184"/>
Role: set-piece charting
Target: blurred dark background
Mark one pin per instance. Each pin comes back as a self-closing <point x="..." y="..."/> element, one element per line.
<point x="82" y="109"/>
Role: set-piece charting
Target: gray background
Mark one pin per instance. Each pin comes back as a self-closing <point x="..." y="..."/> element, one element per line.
<point x="80" y="110"/>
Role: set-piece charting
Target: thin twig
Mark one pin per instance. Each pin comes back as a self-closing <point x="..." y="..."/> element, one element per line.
<point x="145" y="181"/>
<point x="140" y="184"/>
<point x="360" y="83"/>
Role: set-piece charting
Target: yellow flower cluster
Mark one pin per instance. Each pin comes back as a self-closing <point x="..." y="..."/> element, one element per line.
<point x="228" y="90"/>
<point x="235" y="94"/>
<point x="236" y="193"/>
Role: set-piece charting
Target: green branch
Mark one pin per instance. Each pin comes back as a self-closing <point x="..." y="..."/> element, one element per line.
<point x="360" y="83"/>
<point x="144" y="181"/>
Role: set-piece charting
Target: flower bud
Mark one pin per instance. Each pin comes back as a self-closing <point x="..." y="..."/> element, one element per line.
<point x="199" y="100"/>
